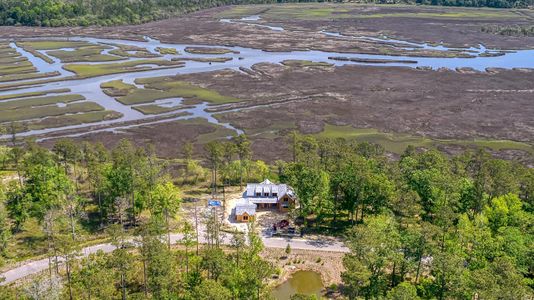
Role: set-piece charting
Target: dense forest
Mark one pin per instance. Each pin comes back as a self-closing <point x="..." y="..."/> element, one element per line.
<point x="425" y="226"/>
<point x="54" y="13"/>
<point x="52" y="202"/>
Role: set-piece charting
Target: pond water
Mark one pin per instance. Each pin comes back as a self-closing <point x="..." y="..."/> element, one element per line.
<point x="241" y="58"/>
<point x="301" y="282"/>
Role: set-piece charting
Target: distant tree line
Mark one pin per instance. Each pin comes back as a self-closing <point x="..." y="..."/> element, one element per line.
<point x="54" y="13"/>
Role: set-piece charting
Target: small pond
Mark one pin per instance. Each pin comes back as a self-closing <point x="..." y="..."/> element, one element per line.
<point x="301" y="282"/>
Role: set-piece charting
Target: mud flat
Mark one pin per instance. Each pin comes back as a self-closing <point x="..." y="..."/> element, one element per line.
<point x="383" y="85"/>
<point x="374" y="61"/>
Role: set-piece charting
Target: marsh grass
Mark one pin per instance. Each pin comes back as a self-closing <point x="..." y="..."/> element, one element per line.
<point x="209" y="50"/>
<point x="52" y="45"/>
<point x="159" y="88"/>
<point x="33" y="94"/>
<point x="27" y="113"/>
<point x="42" y="101"/>
<point x="66" y="120"/>
<point x="305" y="63"/>
<point x="26" y="76"/>
<point x="166" y="51"/>
<point x="398" y="142"/>
<point x="92" y="70"/>
<point x="329" y="11"/>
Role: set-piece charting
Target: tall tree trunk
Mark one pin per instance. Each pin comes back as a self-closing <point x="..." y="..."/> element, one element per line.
<point x="71" y="219"/>
<point x="215" y="182"/>
<point x="393" y="274"/>
<point x="145" y="286"/>
<point x="241" y="173"/>
<point x="67" y="265"/>
<point x="101" y="209"/>
<point x="168" y="229"/>
<point x="133" y="207"/>
<point x="419" y="262"/>
<point x="363" y="210"/>
<point x="187" y="260"/>
<point x="76" y="177"/>
<point x="123" y="285"/>
<point x="196" y="225"/>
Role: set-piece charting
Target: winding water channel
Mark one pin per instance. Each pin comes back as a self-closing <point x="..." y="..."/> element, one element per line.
<point x="481" y="59"/>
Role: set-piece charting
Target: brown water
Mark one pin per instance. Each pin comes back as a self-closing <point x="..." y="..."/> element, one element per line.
<point x="301" y="282"/>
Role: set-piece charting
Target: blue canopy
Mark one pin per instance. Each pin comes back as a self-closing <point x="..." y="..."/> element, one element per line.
<point x="214" y="203"/>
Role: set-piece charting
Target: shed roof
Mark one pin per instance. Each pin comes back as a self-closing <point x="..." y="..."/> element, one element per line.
<point x="249" y="208"/>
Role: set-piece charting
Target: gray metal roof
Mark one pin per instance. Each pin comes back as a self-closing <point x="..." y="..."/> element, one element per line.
<point x="267" y="187"/>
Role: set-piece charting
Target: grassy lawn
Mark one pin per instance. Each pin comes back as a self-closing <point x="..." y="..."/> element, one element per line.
<point x="397" y="143"/>
<point x="92" y="70"/>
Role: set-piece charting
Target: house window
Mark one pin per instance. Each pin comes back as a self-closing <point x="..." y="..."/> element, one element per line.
<point x="245" y="218"/>
<point x="275" y="194"/>
<point x="258" y="194"/>
<point x="286" y="199"/>
<point x="266" y="194"/>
